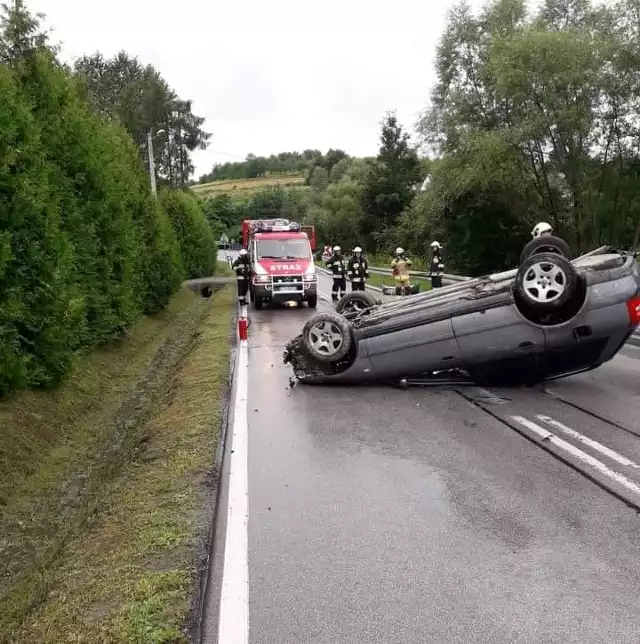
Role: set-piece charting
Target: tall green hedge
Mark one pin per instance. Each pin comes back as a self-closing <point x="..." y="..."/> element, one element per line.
<point x="195" y="235"/>
<point x="85" y="249"/>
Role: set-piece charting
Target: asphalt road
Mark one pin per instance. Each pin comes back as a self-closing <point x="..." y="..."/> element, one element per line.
<point x="387" y="515"/>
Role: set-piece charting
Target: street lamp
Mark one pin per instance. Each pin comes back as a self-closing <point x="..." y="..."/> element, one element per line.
<point x="152" y="166"/>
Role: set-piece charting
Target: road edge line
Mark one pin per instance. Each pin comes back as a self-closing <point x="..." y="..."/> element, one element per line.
<point x="208" y="560"/>
<point x="233" y="624"/>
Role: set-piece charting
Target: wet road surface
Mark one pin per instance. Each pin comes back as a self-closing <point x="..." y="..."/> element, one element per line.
<point x="387" y="515"/>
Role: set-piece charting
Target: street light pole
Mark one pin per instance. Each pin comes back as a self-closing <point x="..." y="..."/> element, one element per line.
<point x="152" y="166"/>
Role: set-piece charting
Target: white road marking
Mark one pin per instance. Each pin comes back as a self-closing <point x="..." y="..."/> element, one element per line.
<point x="635" y="347"/>
<point x="603" y="449"/>
<point x="578" y="453"/>
<point x="234" y="601"/>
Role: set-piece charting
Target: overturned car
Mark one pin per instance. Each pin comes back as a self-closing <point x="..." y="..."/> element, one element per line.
<point x="551" y="317"/>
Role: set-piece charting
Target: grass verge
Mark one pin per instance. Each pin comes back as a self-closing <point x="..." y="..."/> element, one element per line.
<point x="108" y="489"/>
<point x="387" y="280"/>
<point x="417" y="263"/>
<point x="224" y="270"/>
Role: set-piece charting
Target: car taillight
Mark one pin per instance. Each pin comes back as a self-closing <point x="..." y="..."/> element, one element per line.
<point x="634" y="311"/>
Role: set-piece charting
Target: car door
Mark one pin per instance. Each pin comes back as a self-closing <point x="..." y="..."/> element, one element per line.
<point x="412" y="342"/>
<point x="495" y="330"/>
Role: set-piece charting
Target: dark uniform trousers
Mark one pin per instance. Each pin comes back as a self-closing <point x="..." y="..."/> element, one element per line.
<point x="339" y="286"/>
<point x="243" y="275"/>
<point x="358" y="274"/>
<point x="437" y="268"/>
<point x="337" y="267"/>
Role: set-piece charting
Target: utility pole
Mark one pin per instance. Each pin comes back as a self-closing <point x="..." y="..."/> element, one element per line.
<point x="152" y="166"/>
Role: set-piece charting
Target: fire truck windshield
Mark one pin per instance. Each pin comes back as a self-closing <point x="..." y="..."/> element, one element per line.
<point x="283" y="249"/>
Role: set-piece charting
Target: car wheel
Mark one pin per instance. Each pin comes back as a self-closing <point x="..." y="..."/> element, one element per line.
<point x="546" y="282"/>
<point x="312" y="301"/>
<point x="546" y="244"/>
<point x="327" y="337"/>
<point x="355" y="302"/>
<point x="257" y="303"/>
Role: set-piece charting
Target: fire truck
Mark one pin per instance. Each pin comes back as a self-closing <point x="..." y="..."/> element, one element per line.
<point x="282" y="266"/>
<point x="311" y="234"/>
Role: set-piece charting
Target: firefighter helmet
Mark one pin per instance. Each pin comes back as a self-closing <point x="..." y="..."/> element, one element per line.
<point x="541" y="228"/>
<point x="357" y="249"/>
<point x="435" y="244"/>
<point x="242" y="252"/>
<point x="399" y="251"/>
<point x="336" y="249"/>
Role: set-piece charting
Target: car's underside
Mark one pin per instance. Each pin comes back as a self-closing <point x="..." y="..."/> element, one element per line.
<point x="361" y="317"/>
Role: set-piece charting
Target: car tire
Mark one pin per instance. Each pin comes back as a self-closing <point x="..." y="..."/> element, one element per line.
<point x="257" y="303"/>
<point x="546" y="282"/>
<point x="312" y="301"/>
<point x="327" y="337"/>
<point x="546" y="244"/>
<point x="355" y="302"/>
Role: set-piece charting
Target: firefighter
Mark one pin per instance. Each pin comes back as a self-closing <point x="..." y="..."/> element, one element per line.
<point x="337" y="267"/>
<point x="437" y="265"/>
<point x="541" y="229"/>
<point x="401" y="265"/>
<point x="242" y="267"/>
<point x="358" y="269"/>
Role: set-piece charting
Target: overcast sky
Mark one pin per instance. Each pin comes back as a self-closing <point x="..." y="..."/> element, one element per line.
<point x="271" y="76"/>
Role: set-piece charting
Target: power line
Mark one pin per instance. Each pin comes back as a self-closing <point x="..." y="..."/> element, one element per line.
<point x="228" y="154"/>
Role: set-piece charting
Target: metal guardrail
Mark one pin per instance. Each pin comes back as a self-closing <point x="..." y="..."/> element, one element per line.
<point x="378" y="270"/>
<point x="446" y="278"/>
<point x="425" y="275"/>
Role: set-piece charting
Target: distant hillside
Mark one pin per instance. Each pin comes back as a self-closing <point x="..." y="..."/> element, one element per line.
<point x="247" y="186"/>
<point x="253" y="167"/>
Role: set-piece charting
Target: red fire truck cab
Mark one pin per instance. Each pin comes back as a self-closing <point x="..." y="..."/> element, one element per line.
<point x="282" y="267"/>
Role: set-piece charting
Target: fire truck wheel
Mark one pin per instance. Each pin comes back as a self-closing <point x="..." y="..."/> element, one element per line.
<point x="257" y="302"/>
<point x="312" y="301"/>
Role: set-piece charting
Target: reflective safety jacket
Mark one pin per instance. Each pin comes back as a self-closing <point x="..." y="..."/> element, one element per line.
<point x="337" y="266"/>
<point x="436" y="268"/>
<point x="358" y="269"/>
<point x="401" y="266"/>
<point x="242" y="267"/>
